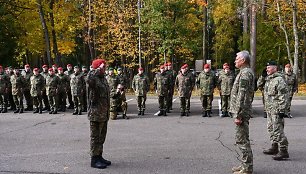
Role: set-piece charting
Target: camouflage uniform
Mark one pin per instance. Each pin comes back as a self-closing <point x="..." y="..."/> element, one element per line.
<point x="261" y="84"/>
<point x="52" y="86"/>
<point x="141" y="86"/>
<point x="292" y="83"/>
<point x="206" y="81"/>
<point x="123" y="80"/>
<point x="26" y="90"/>
<point x="162" y="83"/>
<point x="37" y="86"/>
<point x="119" y="105"/>
<point x="172" y="76"/>
<point x="225" y="84"/>
<point x="85" y="94"/>
<point x="71" y="104"/>
<point x="18" y="82"/>
<point x="113" y="82"/>
<point x="241" y="108"/>
<point x="9" y="94"/>
<point x="77" y="84"/>
<point x="62" y="90"/>
<point x="4" y="84"/>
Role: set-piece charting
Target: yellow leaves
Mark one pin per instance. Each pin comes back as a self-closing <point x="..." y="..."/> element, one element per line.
<point x="66" y="47"/>
<point x="198" y="2"/>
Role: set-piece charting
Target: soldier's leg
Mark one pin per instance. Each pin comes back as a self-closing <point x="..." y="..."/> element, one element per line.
<point x="40" y="104"/>
<point x="223" y="105"/>
<point x="143" y="104"/>
<point x="124" y="107"/>
<point x="161" y="101"/>
<point x="1" y="102"/>
<point x="138" y="98"/>
<point x="263" y="102"/>
<point x="29" y="101"/>
<point x="280" y="138"/>
<point x="80" y="104"/>
<point x="20" y="99"/>
<point x="209" y="103"/>
<point x="70" y="99"/>
<point x="11" y="101"/>
<point x="84" y="109"/>
<point x="46" y="100"/>
<point x="16" y="103"/>
<point x="75" y="101"/>
<point x="51" y="104"/>
<point x="113" y="109"/>
<point x="288" y="110"/>
<point x="35" y="104"/>
<point x="183" y="106"/>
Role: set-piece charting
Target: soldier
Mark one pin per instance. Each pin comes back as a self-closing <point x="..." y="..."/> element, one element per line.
<point x="98" y="112"/>
<point x="26" y="90"/>
<point x="11" y="102"/>
<point x="292" y="83"/>
<point x="45" y="74"/>
<point x="52" y="86"/>
<point x="172" y="75"/>
<point x="85" y="94"/>
<point x="63" y="88"/>
<point x="113" y="82"/>
<point x="69" y="72"/>
<point x="206" y="81"/>
<point x="120" y="104"/>
<point x="240" y="107"/>
<point x="184" y="83"/>
<point x="4" y="84"/>
<point x="276" y="96"/>
<point x="122" y="78"/>
<point x="77" y="84"/>
<point x="18" y="82"/>
<point x="225" y="84"/>
<point x="141" y="86"/>
<point x="37" y="83"/>
<point x="161" y="85"/>
<point x="261" y="84"/>
<point x="54" y="67"/>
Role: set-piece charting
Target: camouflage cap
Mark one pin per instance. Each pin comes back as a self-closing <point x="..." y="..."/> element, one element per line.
<point x="84" y="67"/>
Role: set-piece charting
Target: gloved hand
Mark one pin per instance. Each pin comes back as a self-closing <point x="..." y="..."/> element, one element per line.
<point x="282" y="115"/>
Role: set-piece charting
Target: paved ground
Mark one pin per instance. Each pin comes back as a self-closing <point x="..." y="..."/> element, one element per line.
<point x="46" y="144"/>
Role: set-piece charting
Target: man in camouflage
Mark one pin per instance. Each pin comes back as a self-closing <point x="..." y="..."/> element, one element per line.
<point x="11" y="102"/>
<point x="26" y="90"/>
<point x="98" y="112"/>
<point x="292" y="83"/>
<point x="225" y="84"/>
<point x="172" y="76"/>
<point x="4" y="84"/>
<point x="54" y="67"/>
<point x="119" y="102"/>
<point x="37" y="83"/>
<point x="184" y="83"/>
<point x="206" y="81"/>
<point x="122" y="78"/>
<point x="112" y="83"/>
<point x="161" y="85"/>
<point x="52" y="86"/>
<point x="18" y="83"/>
<point x="141" y="86"/>
<point x="63" y="88"/>
<point x="69" y="72"/>
<point x="241" y="108"/>
<point x="261" y="84"/>
<point x="276" y="99"/>
<point x="77" y="84"/>
<point x="85" y="94"/>
<point x="45" y="74"/>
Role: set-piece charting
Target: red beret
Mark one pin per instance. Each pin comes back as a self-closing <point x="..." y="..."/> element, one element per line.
<point x="288" y="66"/>
<point x="50" y="69"/>
<point x="35" y="69"/>
<point x="140" y="69"/>
<point x="59" y="68"/>
<point x="54" y="65"/>
<point x="27" y="65"/>
<point x="184" y="66"/>
<point x="169" y="64"/>
<point x="45" y="66"/>
<point x="69" y="65"/>
<point x="162" y="67"/>
<point x="96" y="63"/>
<point x="206" y="66"/>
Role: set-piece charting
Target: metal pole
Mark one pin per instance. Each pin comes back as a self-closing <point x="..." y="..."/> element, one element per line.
<point x="139" y="34"/>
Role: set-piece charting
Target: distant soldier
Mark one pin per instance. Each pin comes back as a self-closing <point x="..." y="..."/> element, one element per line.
<point x="37" y="83"/>
<point x="119" y="102"/>
<point x="69" y="72"/>
<point x="45" y="74"/>
<point x="161" y="85"/>
<point x="11" y="102"/>
<point x="122" y="78"/>
<point x="141" y="86"/>
<point x="113" y="82"/>
<point x="292" y="83"/>
<point x="98" y="112"/>
<point x="54" y="67"/>
<point x="185" y="83"/>
<point x="63" y="88"/>
<point x="261" y="85"/>
<point x="225" y="84"/>
<point x="77" y="84"/>
<point x="85" y="94"/>
<point x="26" y="89"/>
<point x="18" y="83"/>
<point x="4" y="87"/>
<point x="276" y="101"/>
<point x="206" y="82"/>
<point x="172" y="75"/>
<point x="52" y="86"/>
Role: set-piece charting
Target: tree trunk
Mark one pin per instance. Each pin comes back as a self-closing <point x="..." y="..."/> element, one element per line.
<point x="253" y="34"/>
<point x="90" y="31"/>
<point x="245" y="23"/>
<point x="45" y="29"/>
<point x="264" y="9"/>
<point x="205" y="32"/>
<point x="304" y="58"/>
<point x="54" y="42"/>
<point x="296" y="39"/>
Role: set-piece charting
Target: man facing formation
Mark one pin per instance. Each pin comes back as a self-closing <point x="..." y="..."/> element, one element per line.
<point x="4" y="84"/>
<point x="37" y="82"/>
<point x="292" y="83"/>
<point x="77" y="84"/>
<point x="276" y="104"/>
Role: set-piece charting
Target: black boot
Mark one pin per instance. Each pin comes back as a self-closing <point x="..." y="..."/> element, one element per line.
<point x="139" y="112"/>
<point x="75" y="112"/>
<point x="160" y="113"/>
<point x="273" y="150"/>
<point x="4" y="110"/>
<point x="16" y="111"/>
<point x="40" y="111"/>
<point x="223" y="114"/>
<point x="105" y="161"/>
<point x="54" y="112"/>
<point x="164" y="113"/>
<point x="204" y="114"/>
<point x="51" y="112"/>
<point x="80" y="112"/>
<point x="183" y="114"/>
<point x="142" y="113"/>
<point x="21" y="111"/>
<point x="208" y="113"/>
<point x="97" y="163"/>
<point x="168" y="111"/>
<point x="125" y="117"/>
<point x="265" y="115"/>
<point x="35" y="111"/>
<point x="187" y="113"/>
<point x="281" y="155"/>
<point x="1" y="110"/>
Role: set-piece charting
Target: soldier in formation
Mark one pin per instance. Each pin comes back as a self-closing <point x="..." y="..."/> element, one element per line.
<point x="37" y="82"/>
<point x="85" y="93"/>
<point x="261" y="85"/>
<point x="4" y="87"/>
<point x="52" y="85"/>
<point x="113" y="83"/>
<point x="45" y="74"/>
<point x="172" y="76"/>
<point x="26" y="90"/>
<point x="63" y="88"/>
<point x="18" y="83"/>
<point x="77" y="84"/>
<point x="292" y="83"/>
<point x="69" y="72"/>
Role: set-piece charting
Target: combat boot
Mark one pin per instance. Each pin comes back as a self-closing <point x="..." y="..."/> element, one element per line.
<point x="187" y="113"/>
<point x="51" y="112"/>
<point x="97" y="163"/>
<point x="208" y="113"/>
<point x="80" y="112"/>
<point x="223" y="114"/>
<point x="75" y="112"/>
<point x="1" y="110"/>
<point x="40" y="111"/>
<point x="237" y="169"/>
<point x="16" y="111"/>
<point x="142" y="113"/>
<point x="4" y="110"/>
<point x="265" y="114"/>
<point x="105" y="161"/>
<point x="160" y="113"/>
<point x="183" y="114"/>
<point x="35" y="111"/>
<point x="125" y="117"/>
<point x="281" y="155"/>
<point x="21" y="111"/>
<point x="204" y="114"/>
<point x="272" y="150"/>
<point x="242" y="172"/>
<point x="54" y="112"/>
<point x="139" y="112"/>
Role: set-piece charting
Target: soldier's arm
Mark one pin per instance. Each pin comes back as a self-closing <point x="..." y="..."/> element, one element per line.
<point x="282" y="95"/>
<point x="244" y="85"/>
<point x="90" y="79"/>
<point x="155" y="82"/>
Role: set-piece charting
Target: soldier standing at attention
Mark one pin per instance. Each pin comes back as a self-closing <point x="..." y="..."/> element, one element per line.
<point x="45" y="74"/>
<point x="4" y="84"/>
<point x="172" y="75"/>
<point x="241" y="108"/>
<point x="98" y="112"/>
<point x="69" y="72"/>
<point x="276" y="98"/>
<point x="161" y="85"/>
<point x="37" y="87"/>
<point x="206" y="82"/>
<point x="54" y="67"/>
<point x="141" y="86"/>
<point x="85" y="94"/>
<point x="184" y="83"/>
<point x="11" y="102"/>
<point x="77" y="84"/>
<point x="292" y="83"/>
<point x="52" y="85"/>
<point x="112" y="83"/>
<point x="261" y="84"/>
<point x="26" y="90"/>
<point x="62" y="90"/>
<point x="18" y="83"/>
<point x="225" y="84"/>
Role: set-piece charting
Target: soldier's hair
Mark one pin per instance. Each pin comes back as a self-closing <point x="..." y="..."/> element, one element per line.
<point x="245" y="55"/>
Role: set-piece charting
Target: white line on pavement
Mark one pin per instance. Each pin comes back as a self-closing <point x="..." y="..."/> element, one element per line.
<point x="129" y="100"/>
<point x="175" y="99"/>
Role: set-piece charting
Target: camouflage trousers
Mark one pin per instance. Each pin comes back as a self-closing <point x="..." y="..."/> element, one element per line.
<point x="45" y="99"/>
<point x="98" y="132"/>
<point x="263" y="100"/>
<point x="78" y="102"/>
<point x="37" y="100"/>
<point x="141" y="103"/>
<point x="162" y="101"/>
<point x="225" y="99"/>
<point x="170" y="98"/>
<point x="243" y="143"/>
<point x="18" y="100"/>
<point x="3" y="101"/>
<point x="185" y="104"/>
<point x="120" y="107"/>
<point x="289" y="104"/>
<point x="28" y="98"/>
<point x="62" y="100"/>
<point x="69" y="96"/>
<point x="53" y="102"/>
<point x="206" y="101"/>
<point x="276" y="132"/>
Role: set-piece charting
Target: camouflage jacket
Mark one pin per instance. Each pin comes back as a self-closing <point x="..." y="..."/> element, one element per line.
<point x="18" y="83"/>
<point x="45" y="74"/>
<point x="141" y="85"/>
<point x="113" y="82"/>
<point x="4" y="83"/>
<point x="206" y="82"/>
<point x="276" y="93"/>
<point x="99" y="97"/>
<point x="69" y="73"/>
<point x="162" y="83"/>
<point x="37" y="85"/>
<point x="52" y="85"/>
<point x="184" y="84"/>
<point x="27" y="76"/>
<point x="225" y="83"/>
<point x="172" y="75"/>
<point x="261" y="83"/>
<point x="122" y="80"/>
<point x="242" y="94"/>
<point x="77" y="84"/>
<point x="64" y="83"/>
<point x="292" y="83"/>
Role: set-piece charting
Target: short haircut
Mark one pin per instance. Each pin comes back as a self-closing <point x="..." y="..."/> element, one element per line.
<point x="245" y="55"/>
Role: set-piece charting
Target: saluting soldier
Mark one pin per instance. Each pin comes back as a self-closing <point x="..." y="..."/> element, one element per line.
<point x="4" y="86"/>
<point x="52" y="86"/>
<point x="141" y="86"/>
<point x="172" y="75"/>
<point x="37" y="83"/>
<point x="18" y="83"/>
<point x="63" y="88"/>
<point x="45" y="74"/>
<point x="69" y="72"/>
<point x="77" y="84"/>
<point x="292" y="83"/>
<point x="26" y="90"/>
<point x="206" y="81"/>
<point x="113" y="82"/>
